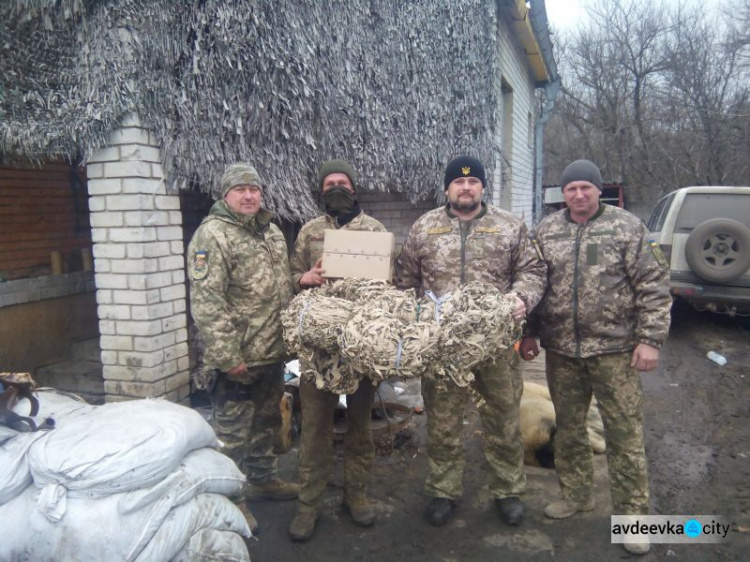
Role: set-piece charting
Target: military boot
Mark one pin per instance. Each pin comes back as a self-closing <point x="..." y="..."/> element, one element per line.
<point x="361" y="510"/>
<point x="511" y="510"/>
<point x="303" y="526"/>
<point x="273" y="489"/>
<point x="567" y="508"/>
<point x="439" y="511"/>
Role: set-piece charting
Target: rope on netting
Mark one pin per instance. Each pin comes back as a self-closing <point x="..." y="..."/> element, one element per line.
<point x="380" y="345"/>
<point x="314" y="321"/>
<point x="438" y="301"/>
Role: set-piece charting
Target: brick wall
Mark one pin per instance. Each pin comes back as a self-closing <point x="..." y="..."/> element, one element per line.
<point x="140" y="272"/>
<point x="395" y="211"/>
<point x="42" y="210"/>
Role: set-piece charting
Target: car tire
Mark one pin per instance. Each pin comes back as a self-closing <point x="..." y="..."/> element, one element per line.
<point x="718" y="250"/>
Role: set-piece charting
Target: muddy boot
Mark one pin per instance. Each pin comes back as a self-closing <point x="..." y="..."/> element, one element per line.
<point x="439" y="511"/>
<point x="356" y="502"/>
<point x="511" y="510"/>
<point x="273" y="489"/>
<point x="303" y="526"/>
<point x="567" y="508"/>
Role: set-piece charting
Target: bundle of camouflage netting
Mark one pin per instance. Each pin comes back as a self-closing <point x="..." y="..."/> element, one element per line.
<point x="377" y="294"/>
<point x="313" y="320"/>
<point x="355" y="329"/>
<point x="380" y="345"/>
<point x="476" y="323"/>
<point x="355" y="290"/>
<point x="328" y="371"/>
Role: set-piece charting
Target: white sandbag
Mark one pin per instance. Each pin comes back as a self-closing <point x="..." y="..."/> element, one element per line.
<point x="53" y="404"/>
<point x="93" y="530"/>
<point x="206" y="511"/>
<point x="201" y="471"/>
<point x="115" y="448"/>
<point x="15" y="474"/>
<point x="7" y="433"/>
<point x="210" y="545"/>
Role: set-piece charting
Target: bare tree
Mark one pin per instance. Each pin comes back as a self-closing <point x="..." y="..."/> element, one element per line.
<point x="707" y="93"/>
<point x="657" y="96"/>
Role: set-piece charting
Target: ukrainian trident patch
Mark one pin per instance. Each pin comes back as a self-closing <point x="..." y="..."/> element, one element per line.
<point x="199" y="267"/>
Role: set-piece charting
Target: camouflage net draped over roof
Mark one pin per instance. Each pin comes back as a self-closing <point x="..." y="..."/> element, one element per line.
<point x="397" y="88"/>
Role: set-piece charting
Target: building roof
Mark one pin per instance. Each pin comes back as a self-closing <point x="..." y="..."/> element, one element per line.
<point x="396" y="88"/>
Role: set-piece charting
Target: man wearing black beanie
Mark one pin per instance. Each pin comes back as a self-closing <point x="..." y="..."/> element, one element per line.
<point x="467" y="241"/>
<point x="602" y="320"/>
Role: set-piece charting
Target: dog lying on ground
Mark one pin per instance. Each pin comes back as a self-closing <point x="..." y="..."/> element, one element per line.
<point x="538" y="426"/>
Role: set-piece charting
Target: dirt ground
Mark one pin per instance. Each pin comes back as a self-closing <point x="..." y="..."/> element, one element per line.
<point x="697" y="427"/>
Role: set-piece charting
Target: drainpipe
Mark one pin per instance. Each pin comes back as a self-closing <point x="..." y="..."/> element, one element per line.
<point x="538" y="17"/>
<point x="550" y="93"/>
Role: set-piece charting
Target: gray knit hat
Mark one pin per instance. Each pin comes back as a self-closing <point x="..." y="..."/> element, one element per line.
<point x="337" y="167"/>
<point x="237" y="174"/>
<point x="581" y="170"/>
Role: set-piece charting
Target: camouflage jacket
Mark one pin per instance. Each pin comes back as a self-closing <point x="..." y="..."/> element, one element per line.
<point x="308" y="248"/>
<point x="239" y="282"/>
<point x="608" y="286"/>
<point x="443" y="252"/>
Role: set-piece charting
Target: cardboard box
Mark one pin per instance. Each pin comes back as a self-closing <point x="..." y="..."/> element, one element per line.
<point x="356" y="253"/>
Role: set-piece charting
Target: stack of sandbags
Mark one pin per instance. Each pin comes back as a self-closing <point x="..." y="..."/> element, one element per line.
<point x="136" y="480"/>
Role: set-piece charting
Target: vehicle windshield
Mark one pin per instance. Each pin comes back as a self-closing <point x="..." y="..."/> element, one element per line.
<point x="656" y="222"/>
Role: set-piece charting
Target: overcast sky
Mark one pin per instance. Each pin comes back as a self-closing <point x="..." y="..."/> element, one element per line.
<point x="564" y="14"/>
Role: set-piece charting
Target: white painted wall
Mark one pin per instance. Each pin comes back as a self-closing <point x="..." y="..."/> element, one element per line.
<point x="518" y="196"/>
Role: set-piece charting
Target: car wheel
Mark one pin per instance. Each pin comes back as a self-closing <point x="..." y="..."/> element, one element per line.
<point x="718" y="250"/>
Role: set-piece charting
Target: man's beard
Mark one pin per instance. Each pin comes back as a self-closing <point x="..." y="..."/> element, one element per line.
<point x="464" y="207"/>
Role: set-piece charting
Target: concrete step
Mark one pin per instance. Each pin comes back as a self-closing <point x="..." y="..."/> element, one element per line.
<point x="86" y="350"/>
<point x="77" y="376"/>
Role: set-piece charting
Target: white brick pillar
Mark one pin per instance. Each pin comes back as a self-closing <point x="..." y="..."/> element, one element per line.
<point x="136" y="228"/>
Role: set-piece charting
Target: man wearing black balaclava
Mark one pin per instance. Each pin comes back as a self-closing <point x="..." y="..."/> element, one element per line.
<point x="337" y="183"/>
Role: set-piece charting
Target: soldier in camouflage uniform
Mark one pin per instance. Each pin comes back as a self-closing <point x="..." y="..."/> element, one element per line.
<point x="337" y="183"/>
<point x="466" y="241"/>
<point x="603" y="318"/>
<point x="239" y="283"/>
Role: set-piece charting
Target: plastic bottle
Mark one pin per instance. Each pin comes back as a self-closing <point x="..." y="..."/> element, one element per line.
<point x="716" y="358"/>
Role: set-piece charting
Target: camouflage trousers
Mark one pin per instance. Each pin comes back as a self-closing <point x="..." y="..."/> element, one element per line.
<point x="316" y="441"/>
<point x="617" y="387"/>
<point x="500" y="385"/>
<point x="247" y="419"/>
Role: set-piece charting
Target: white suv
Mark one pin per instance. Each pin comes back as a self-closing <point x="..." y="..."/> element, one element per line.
<point x="704" y="233"/>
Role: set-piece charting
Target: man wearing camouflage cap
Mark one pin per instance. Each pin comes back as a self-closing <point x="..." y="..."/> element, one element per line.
<point x="239" y="283"/>
<point x="470" y="241"/>
<point x="337" y="183"/>
<point x="602" y="320"/>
